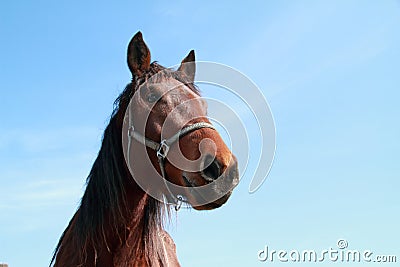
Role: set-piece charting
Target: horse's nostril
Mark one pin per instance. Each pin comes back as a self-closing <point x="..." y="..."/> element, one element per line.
<point x="212" y="168"/>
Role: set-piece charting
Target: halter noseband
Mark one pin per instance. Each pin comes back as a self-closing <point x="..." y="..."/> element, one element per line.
<point x="162" y="149"/>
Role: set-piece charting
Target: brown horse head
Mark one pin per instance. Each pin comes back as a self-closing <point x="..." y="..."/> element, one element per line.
<point x="199" y="165"/>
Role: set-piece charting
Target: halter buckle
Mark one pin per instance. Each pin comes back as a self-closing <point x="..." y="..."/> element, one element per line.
<point x="162" y="151"/>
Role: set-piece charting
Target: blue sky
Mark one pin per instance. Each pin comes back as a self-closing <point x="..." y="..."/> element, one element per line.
<point x="330" y="72"/>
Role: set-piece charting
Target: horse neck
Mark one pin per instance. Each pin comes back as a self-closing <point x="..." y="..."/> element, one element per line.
<point x="145" y="242"/>
<point x="140" y="240"/>
<point x="133" y="237"/>
<point x="111" y="214"/>
<point x="110" y="240"/>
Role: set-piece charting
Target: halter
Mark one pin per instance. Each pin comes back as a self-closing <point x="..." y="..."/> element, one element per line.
<point x="162" y="149"/>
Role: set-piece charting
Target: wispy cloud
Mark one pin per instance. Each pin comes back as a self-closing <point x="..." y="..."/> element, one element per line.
<point x="33" y="199"/>
<point x="303" y="44"/>
<point x="39" y="140"/>
<point x="39" y="194"/>
<point x="44" y="169"/>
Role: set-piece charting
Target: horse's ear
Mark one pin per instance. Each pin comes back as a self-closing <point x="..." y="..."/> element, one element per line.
<point x="188" y="66"/>
<point x="138" y="55"/>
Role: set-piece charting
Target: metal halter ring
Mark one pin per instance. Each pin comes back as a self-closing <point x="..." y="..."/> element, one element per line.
<point x="162" y="151"/>
<point x="179" y="202"/>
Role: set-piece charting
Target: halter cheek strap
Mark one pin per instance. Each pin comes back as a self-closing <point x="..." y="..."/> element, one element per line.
<point x="162" y="149"/>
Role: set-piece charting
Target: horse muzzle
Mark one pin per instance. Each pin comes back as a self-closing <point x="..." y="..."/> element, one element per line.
<point x="213" y="185"/>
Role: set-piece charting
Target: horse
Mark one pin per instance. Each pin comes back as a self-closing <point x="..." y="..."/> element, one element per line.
<point x="120" y="222"/>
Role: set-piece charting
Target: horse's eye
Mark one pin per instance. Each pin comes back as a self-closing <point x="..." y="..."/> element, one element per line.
<point x="152" y="97"/>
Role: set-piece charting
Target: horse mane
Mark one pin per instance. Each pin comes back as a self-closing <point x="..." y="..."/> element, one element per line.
<point x="104" y="202"/>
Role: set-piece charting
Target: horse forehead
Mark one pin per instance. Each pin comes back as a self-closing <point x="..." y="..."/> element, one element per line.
<point x="178" y="93"/>
<point x="174" y="86"/>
